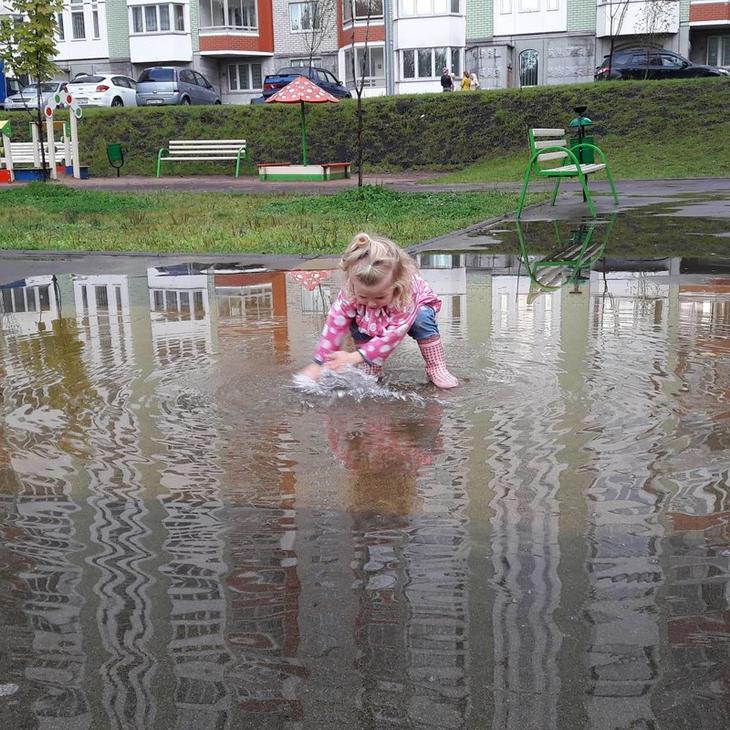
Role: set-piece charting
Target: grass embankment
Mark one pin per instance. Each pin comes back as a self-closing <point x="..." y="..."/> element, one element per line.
<point x="690" y="153"/>
<point x="52" y="217"/>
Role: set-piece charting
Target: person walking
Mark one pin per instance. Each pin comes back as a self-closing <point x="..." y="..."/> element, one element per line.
<point x="447" y="81"/>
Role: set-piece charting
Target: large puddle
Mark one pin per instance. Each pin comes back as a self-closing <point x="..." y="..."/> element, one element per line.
<point x="188" y="541"/>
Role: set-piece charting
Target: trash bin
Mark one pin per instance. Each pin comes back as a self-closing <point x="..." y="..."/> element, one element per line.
<point x="115" y="155"/>
<point x="579" y="126"/>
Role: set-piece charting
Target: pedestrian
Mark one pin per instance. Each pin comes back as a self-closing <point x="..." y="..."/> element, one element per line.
<point x="383" y="299"/>
<point x="447" y="80"/>
<point x="466" y="82"/>
<point x="474" y="81"/>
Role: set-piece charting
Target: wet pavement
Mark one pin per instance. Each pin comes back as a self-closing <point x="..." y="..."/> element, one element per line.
<point x="189" y="541"/>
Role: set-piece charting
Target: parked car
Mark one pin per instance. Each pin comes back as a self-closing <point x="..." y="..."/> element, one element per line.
<point x="652" y="63"/>
<point x="28" y="97"/>
<point x="170" y="85"/>
<point x="104" y="90"/>
<point x="320" y="76"/>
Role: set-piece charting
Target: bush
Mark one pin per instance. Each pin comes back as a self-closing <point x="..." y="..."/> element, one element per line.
<point x="433" y="131"/>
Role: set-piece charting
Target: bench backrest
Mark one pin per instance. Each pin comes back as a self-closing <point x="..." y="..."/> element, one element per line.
<point x="23" y="151"/>
<point x="543" y="137"/>
<point x="204" y="147"/>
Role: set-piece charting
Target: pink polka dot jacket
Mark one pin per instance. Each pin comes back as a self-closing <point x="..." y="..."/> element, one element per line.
<point x="386" y="326"/>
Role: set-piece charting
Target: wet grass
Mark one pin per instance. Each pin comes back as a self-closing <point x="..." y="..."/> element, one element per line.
<point x="674" y="153"/>
<point x="53" y="217"/>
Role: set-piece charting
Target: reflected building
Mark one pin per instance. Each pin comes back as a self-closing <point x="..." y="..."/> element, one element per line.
<point x="525" y="522"/>
<point x="180" y="315"/>
<point x="40" y="538"/>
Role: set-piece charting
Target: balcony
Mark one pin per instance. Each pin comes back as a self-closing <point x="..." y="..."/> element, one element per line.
<point x="640" y="17"/>
<point x="225" y="17"/>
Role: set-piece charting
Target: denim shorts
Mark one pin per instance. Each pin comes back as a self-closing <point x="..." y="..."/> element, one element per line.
<point x="424" y="326"/>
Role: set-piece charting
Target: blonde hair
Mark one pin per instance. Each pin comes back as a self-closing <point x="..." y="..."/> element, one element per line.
<point x="370" y="261"/>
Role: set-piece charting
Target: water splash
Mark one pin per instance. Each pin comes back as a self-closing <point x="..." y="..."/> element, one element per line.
<point x="352" y="383"/>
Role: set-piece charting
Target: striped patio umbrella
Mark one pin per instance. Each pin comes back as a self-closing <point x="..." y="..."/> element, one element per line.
<point x="302" y="90"/>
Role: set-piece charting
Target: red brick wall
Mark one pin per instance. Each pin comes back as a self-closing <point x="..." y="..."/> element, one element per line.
<point x="709" y="11"/>
<point x="264" y="41"/>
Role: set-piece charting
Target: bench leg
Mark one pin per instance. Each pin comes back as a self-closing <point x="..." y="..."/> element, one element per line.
<point x="613" y="187"/>
<point x="586" y="194"/>
<point x="555" y="191"/>
<point x="523" y="192"/>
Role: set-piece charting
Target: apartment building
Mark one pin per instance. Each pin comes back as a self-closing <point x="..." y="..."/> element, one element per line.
<point x="402" y="44"/>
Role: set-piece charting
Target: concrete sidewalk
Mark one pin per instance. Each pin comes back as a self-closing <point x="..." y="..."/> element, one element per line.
<point x="404" y="182"/>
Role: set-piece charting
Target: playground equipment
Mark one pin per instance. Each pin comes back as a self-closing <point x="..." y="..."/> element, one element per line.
<point x="16" y="153"/>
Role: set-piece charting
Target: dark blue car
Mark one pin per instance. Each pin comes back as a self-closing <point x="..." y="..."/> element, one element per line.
<point x="320" y="76"/>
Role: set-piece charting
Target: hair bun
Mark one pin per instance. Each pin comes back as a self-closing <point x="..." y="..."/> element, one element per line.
<point x="362" y="239"/>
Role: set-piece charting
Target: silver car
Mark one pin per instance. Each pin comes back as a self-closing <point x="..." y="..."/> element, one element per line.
<point x="28" y="97"/>
<point x="169" y="85"/>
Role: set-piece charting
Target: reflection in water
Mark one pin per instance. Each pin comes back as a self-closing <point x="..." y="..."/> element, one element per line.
<point x="189" y="542"/>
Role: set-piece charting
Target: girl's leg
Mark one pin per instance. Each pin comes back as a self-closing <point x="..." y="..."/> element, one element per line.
<point x="425" y="331"/>
<point x="366" y="367"/>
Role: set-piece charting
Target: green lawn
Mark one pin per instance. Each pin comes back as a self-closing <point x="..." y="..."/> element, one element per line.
<point x="50" y="216"/>
<point x="673" y="154"/>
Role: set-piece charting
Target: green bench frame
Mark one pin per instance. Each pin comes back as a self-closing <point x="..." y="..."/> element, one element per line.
<point x="551" y="144"/>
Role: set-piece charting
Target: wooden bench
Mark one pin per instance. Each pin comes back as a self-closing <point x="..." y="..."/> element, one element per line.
<point x="340" y="169"/>
<point x="179" y="150"/>
<point x="550" y="144"/>
<point x="22" y="153"/>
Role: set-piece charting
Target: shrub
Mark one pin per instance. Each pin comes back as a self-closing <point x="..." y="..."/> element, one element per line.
<point x="434" y="131"/>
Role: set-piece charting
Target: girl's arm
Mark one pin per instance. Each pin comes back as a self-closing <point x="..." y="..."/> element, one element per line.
<point x="339" y="319"/>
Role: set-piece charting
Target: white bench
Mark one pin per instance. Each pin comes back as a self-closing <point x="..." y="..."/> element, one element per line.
<point x="203" y="149"/>
<point x="23" y="154"/>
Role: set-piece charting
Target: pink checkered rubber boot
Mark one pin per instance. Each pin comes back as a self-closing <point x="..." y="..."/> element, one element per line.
<point x="369" y="369"/>
<point x="436" y="371"/>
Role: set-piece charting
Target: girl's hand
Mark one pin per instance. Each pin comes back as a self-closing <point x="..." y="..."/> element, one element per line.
<point x="312" y="371"/>
<point x="339" y="360"/>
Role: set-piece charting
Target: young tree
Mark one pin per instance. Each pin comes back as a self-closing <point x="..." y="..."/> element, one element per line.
<point x="655" y="19"/>
<point x="615" y="15"/>
<point x="28" y="47"/>
<point x="371" y="8"/>
<point x="317" y="21"/>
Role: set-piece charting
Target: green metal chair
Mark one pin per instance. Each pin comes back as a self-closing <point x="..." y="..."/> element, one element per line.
<point x="551" y="144"/>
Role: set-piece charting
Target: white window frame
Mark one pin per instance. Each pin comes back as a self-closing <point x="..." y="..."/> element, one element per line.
<point x="298" y="4"/>
<point x="141" y="12"/>
<point x="369" y="80"/>
<point x="60" y="27"/>
<point x="253" y="26"/>
<point x="425" y="8"/>
<point x="723" y="42"/>
<point x="347" y="18"/>
<point x="249" y="71"/>
<point x="449" y="51"/>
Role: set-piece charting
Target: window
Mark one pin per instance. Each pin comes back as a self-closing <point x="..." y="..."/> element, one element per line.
<point x="374" y="66"/>
<point x="359" y="9"/>
<point x="429" y="7"/>
<point x="59" y="25"/>
<point x="78" y="26"/>
<point x="718" y="50"/>
<point x="244" y="76"/>
<point x="427" y="63"/>
<point x="304" y="62"/>
<point x="304" y="16"/>
<point x="187" y="77"/>
<point x="157" y="18"/>
<point x="95" y="22"/>
<point x="150" y="18"/>
<point x="240" y="14"/>
<point x="529" y="6"/>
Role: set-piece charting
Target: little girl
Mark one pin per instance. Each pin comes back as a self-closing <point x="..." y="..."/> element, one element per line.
<point x="383" y="299"/>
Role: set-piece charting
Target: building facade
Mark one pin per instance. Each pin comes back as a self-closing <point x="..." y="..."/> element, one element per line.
<point x="394" y="46"/>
